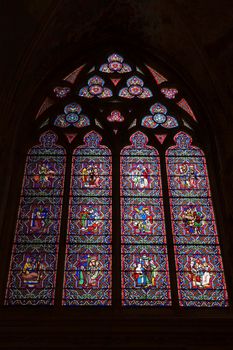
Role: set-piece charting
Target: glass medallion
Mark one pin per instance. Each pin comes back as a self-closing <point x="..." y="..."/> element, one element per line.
<point x="135" y="90"/>
<point x="95" y="89"/>
<point x="159" y="118"/>
<point x="72" y="118"/>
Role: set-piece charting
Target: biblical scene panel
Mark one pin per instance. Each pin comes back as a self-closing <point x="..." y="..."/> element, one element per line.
<point x="88" y="275"/>
<point x="90" y="220"/>
<point x="140" y="178"/>
<point x="143" y="220"/>
<point x="145" y="275"/>
<point x="200" y="275"/>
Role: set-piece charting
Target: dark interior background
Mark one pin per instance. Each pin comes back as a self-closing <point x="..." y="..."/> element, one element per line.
<point x="42" y="40"/>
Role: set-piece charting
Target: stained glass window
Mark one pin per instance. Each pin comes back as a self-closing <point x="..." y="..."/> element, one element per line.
<point x="126" y="103"/>
<point x="88" y="254"/>
<point x="145" y="278"/>
<point x="32" y="274"/>
<point x="198" y="258"/>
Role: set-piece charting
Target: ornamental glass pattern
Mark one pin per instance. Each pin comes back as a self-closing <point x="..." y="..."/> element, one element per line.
<point x="32" y="273"/>
<point x="88" y="253"/>
<point x="199" y="265"/>
<point x="145" y="277"/>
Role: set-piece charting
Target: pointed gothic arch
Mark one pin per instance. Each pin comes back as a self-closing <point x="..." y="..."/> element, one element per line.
<point x="118" y="99"/>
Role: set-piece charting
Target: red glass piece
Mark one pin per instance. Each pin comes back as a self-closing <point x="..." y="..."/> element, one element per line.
<point x="185" y="106"/>
<point x="70" y="137"/>
<point x="157" y="76"/>
<point x="161" y="137"/>
<point x="115" y="81"/>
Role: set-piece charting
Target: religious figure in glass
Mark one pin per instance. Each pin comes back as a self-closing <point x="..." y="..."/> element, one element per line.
<point x="145" y="272"/>
<point x="142" y="219"/>
<point x="32" y="272"/>
<point x="193" y="220"/>
<point x="140" y="176"/>
<point x="45" y="175"/>
<point x="90" y="220"/>
<point x="187" y="176"/>
<point x="90" y="175"/>
<point x="89" y="271"/>
<point x="39" y="219"/>
<point x="200" y="273"/>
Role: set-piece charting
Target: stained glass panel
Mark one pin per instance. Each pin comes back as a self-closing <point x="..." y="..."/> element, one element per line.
<point x="159" y="117"/>
<point x="115" y="65"/>
<point x="95" y="88"/>
<point x="61" y="91"/>
<point x="199" y="266"/>
<point x="169" y="93"/>
<point x="34" y="257"/>
<point x="135" y="89"/>
<point x="115" y="116"/>
<point x="72" y="117"/>
<point x="88" y="253"/>
<point x="145" y="277"/>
